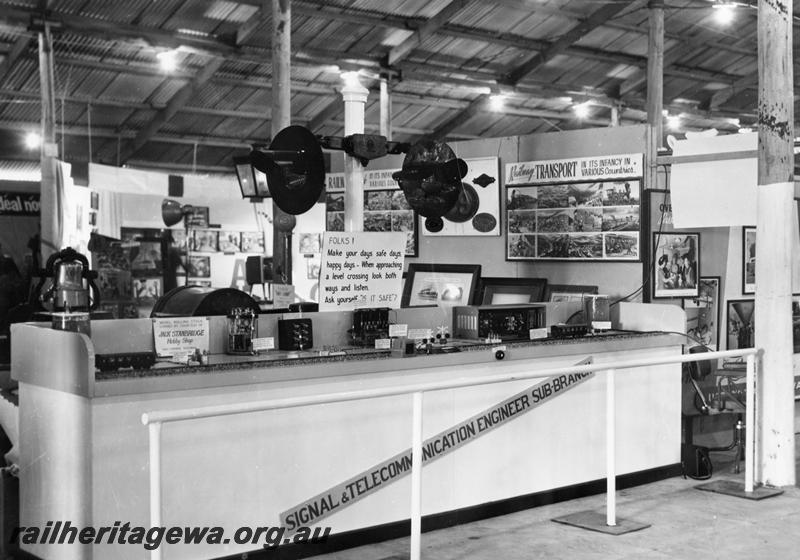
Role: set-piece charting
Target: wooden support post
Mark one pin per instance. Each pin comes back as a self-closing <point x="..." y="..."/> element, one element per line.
<point x="386" y="108"/>
<point x="655" y="101"/>
<point x="614" y="121"/>
<point x="774" y="232"/>
<point x="50" y="196"/>
<point x="655" y="89"/>
<point x="281" y="118"/>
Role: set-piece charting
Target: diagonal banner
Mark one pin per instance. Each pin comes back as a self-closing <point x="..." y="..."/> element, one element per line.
<point x="322" y="505"/>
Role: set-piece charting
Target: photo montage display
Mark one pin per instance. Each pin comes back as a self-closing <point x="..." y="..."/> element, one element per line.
<point x="578" y="221"/>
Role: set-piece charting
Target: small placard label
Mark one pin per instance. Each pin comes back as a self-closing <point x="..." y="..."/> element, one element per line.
<point x="418" y="334"/>
<point x="383" y="343"/>
<point x="538" y="333"/>
<point x="398" y="330"/>
<point x="264" y="343"/>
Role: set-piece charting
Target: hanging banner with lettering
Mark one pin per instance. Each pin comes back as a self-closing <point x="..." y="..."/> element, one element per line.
<point x="384" y="473"/>
<point x="361" y="269"/>
<point x="19" y="204"/>
<point x="574" y="169"/>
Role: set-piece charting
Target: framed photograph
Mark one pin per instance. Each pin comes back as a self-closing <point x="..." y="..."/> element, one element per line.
<point x="591" y="221"/>
<point x="252" y="242"/>
<point x="200" y="266"/>
<point x="197" y="217"/>
<point x="498" y="291"/>
<point x="740" y="329"/>
<point x="312" y="269"/>
<point x="205" y="241"/>
<point x="749" y="260"/>
<point x="229" y="241"/>
<point x="145" y="257"/>
<point x="385" y="207"/>
<point x="147" y="288"/>
<point x="308" y="243"/>
<point x="703" y="313"/>
<point x="568" y="292"/>
<point x="427" y="285"/>
<point x="676" y="262"/>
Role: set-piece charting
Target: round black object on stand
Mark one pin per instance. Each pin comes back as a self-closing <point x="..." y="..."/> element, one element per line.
<point x="295" y="169"/>
<point x="431" y="178"/>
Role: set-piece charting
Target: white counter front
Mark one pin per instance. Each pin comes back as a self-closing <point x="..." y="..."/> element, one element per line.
<point x="84" y="450"/>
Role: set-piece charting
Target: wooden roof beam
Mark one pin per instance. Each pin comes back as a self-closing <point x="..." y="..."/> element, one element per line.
<point x="173" y="106"/>
<point x="598" y="18"/>
<point x="19" y="47"/>
<point x="426" y="30"/>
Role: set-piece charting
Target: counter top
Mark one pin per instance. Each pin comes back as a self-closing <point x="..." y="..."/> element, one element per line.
<point x="68" y="364"/>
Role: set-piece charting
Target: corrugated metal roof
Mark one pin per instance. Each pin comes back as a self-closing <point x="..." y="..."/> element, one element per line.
<point x="106" y="55"/>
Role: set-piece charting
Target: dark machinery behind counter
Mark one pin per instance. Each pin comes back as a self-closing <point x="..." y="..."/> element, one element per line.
<point x="200" y="301"/>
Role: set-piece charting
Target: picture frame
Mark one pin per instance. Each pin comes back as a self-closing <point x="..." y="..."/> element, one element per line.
<point x="205" y="241"/>
<point x="739" y="329"/>
<point x="676" y="264"/>
<point x="252" y="242"/>
<point x="200" y="266"/>
<point x="498" y="291"/>
<point x="147" y="288"/>
<point x="197" y="217"/>
<point x="568" y="292"/>
<point x="749" y="260"/>
<point x="428" y="285"/>
<point x="703" y="313"/>
<point x="586" y="221"/>
<point x="309" y="243"/>
<point x="229" y="242"/>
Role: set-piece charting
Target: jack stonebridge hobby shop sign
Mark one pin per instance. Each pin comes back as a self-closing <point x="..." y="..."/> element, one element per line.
<point x="384" y="473"/>
<point x="574" y="169"/>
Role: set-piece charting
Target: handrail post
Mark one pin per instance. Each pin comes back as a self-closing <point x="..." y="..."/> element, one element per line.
<point x="611" y="475"/>
<point x="154" y="430"/>
<point x="749" y="424"/>
<point x="416" y="478"/>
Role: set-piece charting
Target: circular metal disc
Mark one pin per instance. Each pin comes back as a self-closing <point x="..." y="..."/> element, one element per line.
<point x="297" y="188"/>
<point x="430" y="197"/>
<point x="466" y="206"/>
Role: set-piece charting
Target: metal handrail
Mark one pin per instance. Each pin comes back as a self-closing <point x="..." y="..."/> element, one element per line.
<point x="155" y="419"/>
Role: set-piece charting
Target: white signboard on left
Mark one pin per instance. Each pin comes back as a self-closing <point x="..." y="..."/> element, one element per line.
<point x="361" y="269"/>
<point x="180" y="338"/>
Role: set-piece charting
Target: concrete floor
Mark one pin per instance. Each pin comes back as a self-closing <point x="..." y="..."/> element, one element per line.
<point x="686" y="524"/>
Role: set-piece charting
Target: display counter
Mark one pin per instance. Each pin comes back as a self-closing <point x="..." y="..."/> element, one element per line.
<point x="84" y="452"/>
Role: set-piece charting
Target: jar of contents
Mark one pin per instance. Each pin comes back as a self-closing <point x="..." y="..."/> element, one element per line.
<point x="242" y="327"/>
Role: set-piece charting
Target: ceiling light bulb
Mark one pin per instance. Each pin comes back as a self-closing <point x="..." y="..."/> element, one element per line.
<point x="168" y="60"/>
<point x="673" y="121"/>
<point x="496" y="102"/>
<point x="723" y="13"/>
<point x="33" y="140"/>
<point x="581" y="110"/>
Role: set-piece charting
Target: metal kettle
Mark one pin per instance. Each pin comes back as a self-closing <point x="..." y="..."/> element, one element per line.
<point x="73" y="287"/>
